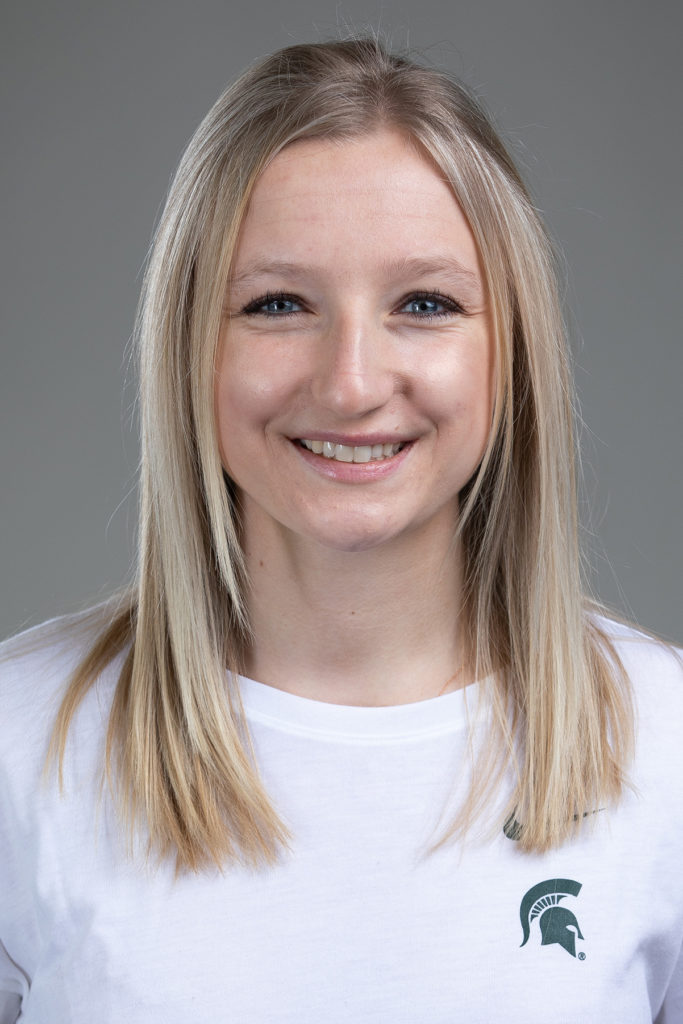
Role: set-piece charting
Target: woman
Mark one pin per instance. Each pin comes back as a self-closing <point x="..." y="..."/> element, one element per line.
<point x="371" y="754"/>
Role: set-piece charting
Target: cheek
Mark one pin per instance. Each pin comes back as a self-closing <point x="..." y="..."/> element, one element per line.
<point x="462" y="395"/>
<point x="249" y="394"/>
<point x="478" y="394"/>
<point x="232" y="404"/>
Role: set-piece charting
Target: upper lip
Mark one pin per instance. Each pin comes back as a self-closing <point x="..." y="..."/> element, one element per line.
<point x="352" y="440"/>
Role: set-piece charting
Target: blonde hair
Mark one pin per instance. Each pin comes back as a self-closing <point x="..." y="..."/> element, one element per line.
<point x="178" y="751"/>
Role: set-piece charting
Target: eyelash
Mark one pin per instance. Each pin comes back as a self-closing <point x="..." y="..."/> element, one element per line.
<point x="450" y="306"/>
<point x="255" y="307"/>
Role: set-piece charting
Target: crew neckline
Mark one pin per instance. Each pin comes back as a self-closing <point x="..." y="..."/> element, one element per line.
<point x="292" y="713"/>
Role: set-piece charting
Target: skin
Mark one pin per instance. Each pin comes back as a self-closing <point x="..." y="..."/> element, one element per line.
<point x="355" y="313"/>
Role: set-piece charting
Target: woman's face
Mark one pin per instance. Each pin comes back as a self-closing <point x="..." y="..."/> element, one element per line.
<point x="355" y="367"/>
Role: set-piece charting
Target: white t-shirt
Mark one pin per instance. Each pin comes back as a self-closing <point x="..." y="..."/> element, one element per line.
<point x="356" y="923"/>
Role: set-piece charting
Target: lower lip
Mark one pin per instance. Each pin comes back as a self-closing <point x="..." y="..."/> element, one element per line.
<point x="354" y="472"/>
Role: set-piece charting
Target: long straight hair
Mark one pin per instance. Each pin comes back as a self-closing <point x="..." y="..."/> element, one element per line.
<point x="178" y="751"/>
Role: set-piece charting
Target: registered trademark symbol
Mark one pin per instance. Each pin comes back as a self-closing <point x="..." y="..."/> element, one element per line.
<point x="582" y="956"/>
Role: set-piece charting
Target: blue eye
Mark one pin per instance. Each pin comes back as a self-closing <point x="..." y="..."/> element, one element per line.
<point x="273" y="305"/>
<point x="420" y="305"/>
<point x="429" y="306"/>
<point x="425" y="305"/>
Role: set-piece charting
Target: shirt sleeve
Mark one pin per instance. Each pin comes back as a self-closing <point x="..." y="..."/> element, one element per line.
<point x="15" y="921"/>
<point x="672" y="1007"/>
<point x="10" y="1007"/>
<point x="13" y="985"/>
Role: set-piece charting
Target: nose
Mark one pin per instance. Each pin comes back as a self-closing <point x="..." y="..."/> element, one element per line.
<point x="353" y="375"/>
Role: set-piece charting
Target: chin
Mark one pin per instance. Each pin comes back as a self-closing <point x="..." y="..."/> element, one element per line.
<point x="352" y="541"/>
<point x="359" y="544"/>
<point x="358" y="536"/>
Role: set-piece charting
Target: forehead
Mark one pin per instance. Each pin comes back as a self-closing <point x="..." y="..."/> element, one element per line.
<point x="348" y="204"/>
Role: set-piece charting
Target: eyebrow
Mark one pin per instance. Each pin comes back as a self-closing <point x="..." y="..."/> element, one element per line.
<point x="417" y="266"/>
<point x="409" y="266"/>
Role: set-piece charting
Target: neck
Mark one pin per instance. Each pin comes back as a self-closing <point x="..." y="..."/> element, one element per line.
<point x="374" y="627"/>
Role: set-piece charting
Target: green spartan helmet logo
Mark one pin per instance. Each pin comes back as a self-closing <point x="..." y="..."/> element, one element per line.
<point x="557" y="924"/>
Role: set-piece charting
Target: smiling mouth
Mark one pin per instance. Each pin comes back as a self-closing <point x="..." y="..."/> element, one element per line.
<point x="352" y="453"/>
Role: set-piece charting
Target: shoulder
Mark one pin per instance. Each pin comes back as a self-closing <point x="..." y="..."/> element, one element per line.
<point x="654" y="667"/>
<point x="36" y="665"/>
<point x="655" y="673"/>
<point x="36" y="668"/>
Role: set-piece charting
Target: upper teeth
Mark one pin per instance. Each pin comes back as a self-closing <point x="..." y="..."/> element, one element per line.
<point x="351" y="453"/>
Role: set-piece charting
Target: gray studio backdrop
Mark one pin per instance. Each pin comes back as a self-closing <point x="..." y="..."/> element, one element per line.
<point x="98" y="101"/>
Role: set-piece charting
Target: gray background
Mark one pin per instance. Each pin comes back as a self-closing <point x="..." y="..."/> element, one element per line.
<point x="98" y="101"/>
